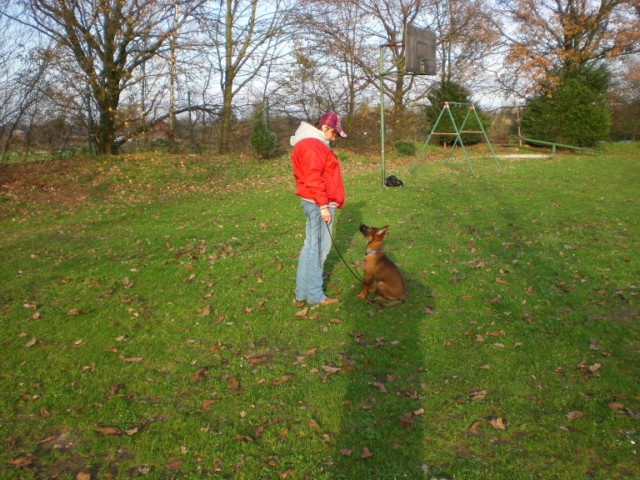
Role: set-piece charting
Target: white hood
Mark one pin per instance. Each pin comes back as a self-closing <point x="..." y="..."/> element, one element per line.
<point x="306" y="130"/>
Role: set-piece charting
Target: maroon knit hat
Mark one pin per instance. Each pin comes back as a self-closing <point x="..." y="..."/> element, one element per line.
<point x="331" y="119"/>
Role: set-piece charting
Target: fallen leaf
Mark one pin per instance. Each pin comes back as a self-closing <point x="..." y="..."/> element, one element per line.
<point x="498" y="424"/>
<point x="365" y="453"/>
<point x="301" y="313"/>
<point x="428" y="310"/>
<point x="345" y="453"/>
<point x="204" y="311"/>
<point x="207" y="403"/>
<point x="284" y="379"/>
<point x="313" y="424"/>
<point x="256" y="360"/>
<point x="233" y="385"/>
<point x="380" y="387"/>
<point x="478" y="394"/>
<point x="330" y="369"/>
<point x="497" y="333"/>
<point x="109" y="431"/>
<point x="131" y="359"/>
<point x="83" y="476"/>
<point x="30" y="343"/>
<point x="475" y="426"/>
<point x="615" y="405"/>
<point x="406" y="418"/>
<point x="575" y="415"/>
<point x="199" y="375"/>
<point x="310" y="352"/>
<point x="20" y="462"/>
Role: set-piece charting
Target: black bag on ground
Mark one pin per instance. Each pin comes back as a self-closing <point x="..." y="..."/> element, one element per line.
<point x="393" y="181"/>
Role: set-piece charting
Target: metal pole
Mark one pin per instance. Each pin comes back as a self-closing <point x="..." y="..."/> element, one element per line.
<point x="381" y="66"/>
<point x="190" y="123"/>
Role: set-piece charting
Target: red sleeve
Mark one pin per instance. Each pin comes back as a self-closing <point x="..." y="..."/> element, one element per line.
<point x="308" y="169"/>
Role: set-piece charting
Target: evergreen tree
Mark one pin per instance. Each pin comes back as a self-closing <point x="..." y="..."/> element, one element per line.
<point x="573" y="111"/>
<point x="263" y="140"/>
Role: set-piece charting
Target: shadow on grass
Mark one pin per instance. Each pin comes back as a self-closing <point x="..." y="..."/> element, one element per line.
<point x="381" y="433"/>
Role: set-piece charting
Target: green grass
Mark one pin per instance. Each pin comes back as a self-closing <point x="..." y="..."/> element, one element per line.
<point x="147" y="326"/>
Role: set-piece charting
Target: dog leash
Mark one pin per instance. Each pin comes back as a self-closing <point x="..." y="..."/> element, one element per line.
<point x="341" y="257"/>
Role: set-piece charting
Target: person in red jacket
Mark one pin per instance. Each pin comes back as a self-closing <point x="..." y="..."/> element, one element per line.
<point x="316" y="171"/>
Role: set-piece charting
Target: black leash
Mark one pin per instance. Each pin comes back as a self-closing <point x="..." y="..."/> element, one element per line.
<point x="341" y="257"/>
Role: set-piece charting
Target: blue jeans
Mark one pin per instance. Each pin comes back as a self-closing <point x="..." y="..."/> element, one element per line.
<point x="315" y="250"/>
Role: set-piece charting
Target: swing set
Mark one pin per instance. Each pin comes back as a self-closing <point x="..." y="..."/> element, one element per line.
<point x="458" y="132"/>
<point x="420" y="55"/>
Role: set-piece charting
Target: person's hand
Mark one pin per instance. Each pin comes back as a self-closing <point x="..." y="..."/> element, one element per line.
<point x="325" y="215"/>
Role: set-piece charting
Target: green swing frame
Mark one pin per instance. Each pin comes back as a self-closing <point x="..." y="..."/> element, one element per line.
<point x="458" y="134"/>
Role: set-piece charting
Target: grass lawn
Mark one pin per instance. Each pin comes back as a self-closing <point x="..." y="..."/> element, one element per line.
<point x="147" y="326"/>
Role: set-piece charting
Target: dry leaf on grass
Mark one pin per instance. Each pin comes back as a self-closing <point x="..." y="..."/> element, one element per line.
<point x="365" y="453"/>
<point x="497" y="423"/>
<point x="108" y="431"/>
<point x="575" y="415"/>
<point x="380" y="387"/>
<point x="284" y="379"/>
<point x="131" y="359"/>
<point x="475" y="426"/>
<point x="313" y="424"/>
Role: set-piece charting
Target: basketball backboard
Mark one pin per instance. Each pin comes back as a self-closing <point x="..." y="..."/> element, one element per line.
<point x="420" y="51"/>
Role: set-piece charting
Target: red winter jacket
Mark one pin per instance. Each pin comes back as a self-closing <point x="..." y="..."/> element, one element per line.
<point x="316" y="169"/>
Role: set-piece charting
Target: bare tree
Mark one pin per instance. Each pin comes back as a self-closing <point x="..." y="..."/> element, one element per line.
<point x="466" y="38"/>
<point x="107" y="40"/>
<point x="22" y="86"/>
<point x="242" y="36"/>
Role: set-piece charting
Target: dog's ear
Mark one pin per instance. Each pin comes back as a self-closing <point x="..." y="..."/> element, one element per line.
<point x="384" y="230"/>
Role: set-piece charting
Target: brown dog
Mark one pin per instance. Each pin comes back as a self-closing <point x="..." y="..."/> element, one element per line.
<point x="381" y="275"/>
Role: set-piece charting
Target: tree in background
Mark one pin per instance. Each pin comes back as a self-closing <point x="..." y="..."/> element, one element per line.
<point x="108" y="40"/>
<point x="547" y="38"/>
<point x="573" y="111"/>
<point x="243" y="38"/>
<point x="466" y="38"/>
<point x="263" y="140"/>
<point x="624" y="101"/>
<point x="559" y="47"/>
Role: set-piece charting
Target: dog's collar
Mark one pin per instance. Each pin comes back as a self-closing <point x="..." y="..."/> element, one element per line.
<point x="371" y="251"/>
